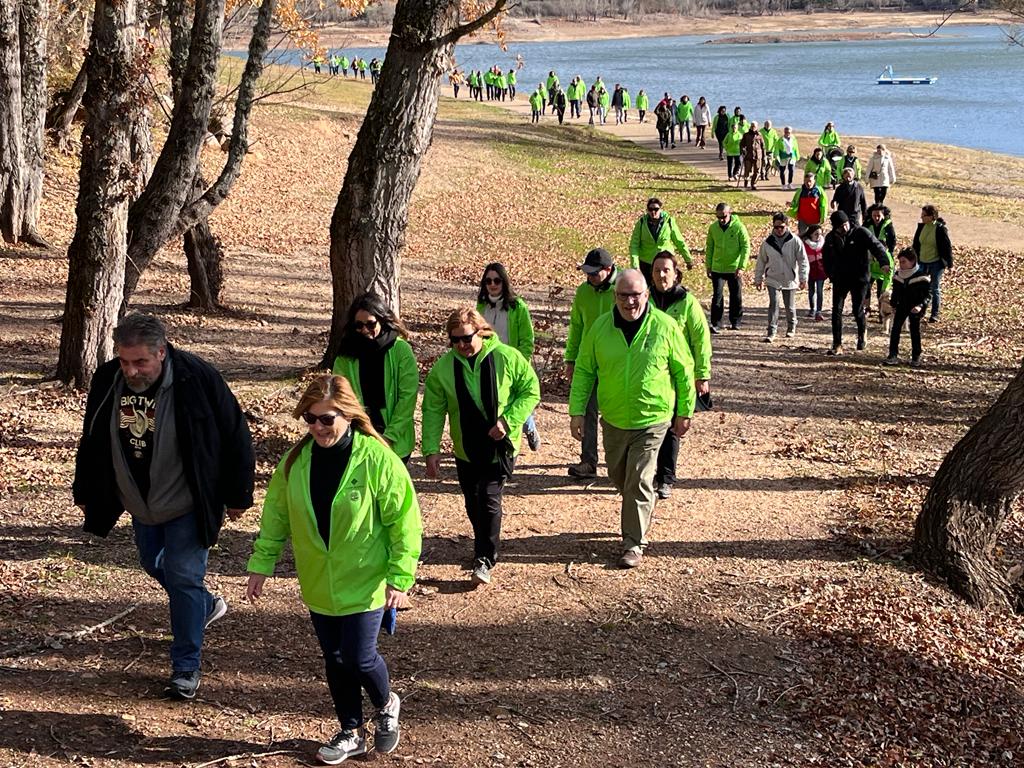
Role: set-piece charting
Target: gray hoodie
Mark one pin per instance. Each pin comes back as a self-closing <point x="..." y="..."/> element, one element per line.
<point x="782" y="265"/>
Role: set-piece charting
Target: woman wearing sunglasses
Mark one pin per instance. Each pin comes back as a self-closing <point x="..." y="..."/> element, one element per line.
<point x="348" y="506"/>
<point x="509" y="316"/>
<point x="379" y="363"/>
<point x="486" y="390"/>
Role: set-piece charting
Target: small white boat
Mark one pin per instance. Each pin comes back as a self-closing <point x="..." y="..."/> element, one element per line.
<point x="888" y="78"/>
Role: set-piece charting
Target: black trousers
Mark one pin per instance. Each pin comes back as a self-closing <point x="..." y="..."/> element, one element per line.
<point x="857" y="292"/>
<point x="732" y="165"/>
<point x="718" y="282"/>
<point x="482" y="487"/>
<point x="901" y="316"/>
<point x="665" y="474"/>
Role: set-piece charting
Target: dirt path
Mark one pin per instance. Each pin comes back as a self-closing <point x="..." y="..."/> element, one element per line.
<point x="970" y="231"/>
<point x="773" y="595"/>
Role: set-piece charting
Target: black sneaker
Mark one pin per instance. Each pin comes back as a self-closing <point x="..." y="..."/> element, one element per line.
<point x="183" y="685"/>
<point x="862" y="343"/>
<point x="385" y="737"/>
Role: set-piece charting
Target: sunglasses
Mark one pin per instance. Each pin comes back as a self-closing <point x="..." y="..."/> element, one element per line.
<point x="493" y="280"/>
<point x="326" y="419"/>
<point x="653" y="210"/>
<point x="359" y="325"/>
<point x="468" y="338"/>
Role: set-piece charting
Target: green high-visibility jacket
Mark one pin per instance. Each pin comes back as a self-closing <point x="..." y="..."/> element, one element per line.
<point x="627" y="101"/>
<point x="536" y="101"/>
<point x="734" y="120"/>
<point x="727" y="250"/>
<point x="362" y="65"/>
<point x="884" y="233"/>
<point x="511" y="78"/>
<point x="344" y="62"/>
<point x="520" y="327"/>
<point x="643" y="246"/>
<point x="552" y="81"/>
<point x="647" y="382"/>
<point x="642" y="102"/>
<point x="375" y="536"/>
<point x="822" y="173"/>
<point x="518" y="394"/>
<point x="401" y="383"/>
<point x="829" y="139"/>
<point x="604" y="99"/>
<point x="472" y="79"/>
<point x="543" y="95"/>
<point x="770" y="136"/>
<point x="780" y="147"/>
<point x="488" y="77"/>
<point x="588" y="304"/>
<point x="684" y="111"/>
<point x="503" y="81"/>
<point x="794" y="207"/>
<point x="731" y="142"/>
<point x="696" y="332"/>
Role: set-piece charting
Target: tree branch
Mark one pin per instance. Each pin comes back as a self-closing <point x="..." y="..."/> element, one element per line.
<point x="946" y="17"/>
<point x="471" y="26"/>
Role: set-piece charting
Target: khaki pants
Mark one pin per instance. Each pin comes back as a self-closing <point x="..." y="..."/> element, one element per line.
<point x="632" y="458"/>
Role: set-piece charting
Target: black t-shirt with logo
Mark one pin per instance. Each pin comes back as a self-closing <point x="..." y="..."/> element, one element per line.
<point x="136" y="428"/>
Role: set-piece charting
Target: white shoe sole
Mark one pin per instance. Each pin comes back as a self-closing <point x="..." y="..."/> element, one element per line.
<point x="341" y="759"/>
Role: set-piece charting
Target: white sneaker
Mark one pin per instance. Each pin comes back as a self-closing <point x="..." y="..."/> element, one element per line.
<point x="220" y="607"/>
<point x="385" y="737"/>
<point x="344" y="745"/>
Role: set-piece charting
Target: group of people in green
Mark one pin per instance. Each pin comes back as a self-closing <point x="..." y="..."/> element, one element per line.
<point x="340" y="64"/>
<point x="494" y="84"/>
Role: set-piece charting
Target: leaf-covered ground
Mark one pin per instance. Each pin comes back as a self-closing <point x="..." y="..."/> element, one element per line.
<point x="775" y="621"/>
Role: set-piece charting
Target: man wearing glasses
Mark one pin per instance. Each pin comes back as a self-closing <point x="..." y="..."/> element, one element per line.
<point x="653" y="233"/>
<point x="645" y="385"/>
<point x="594" y="298"/>
<point x="726" y="255"/>
<point x="165" y="439"/>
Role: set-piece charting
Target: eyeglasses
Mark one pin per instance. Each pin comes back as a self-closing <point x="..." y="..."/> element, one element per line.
<point x="327" y="419"/>
<point x="629" y="296"/>
<point x="467" y="339"/>
<point x="493" y="280"/>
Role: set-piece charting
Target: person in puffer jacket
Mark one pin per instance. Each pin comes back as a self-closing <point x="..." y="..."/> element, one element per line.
<point x="782" y="265"/>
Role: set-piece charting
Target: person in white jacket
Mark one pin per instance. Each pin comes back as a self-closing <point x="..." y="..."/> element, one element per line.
<point x="881" y="173"/>
<point x="701" y="121"/>
<point x="782" y="265"/>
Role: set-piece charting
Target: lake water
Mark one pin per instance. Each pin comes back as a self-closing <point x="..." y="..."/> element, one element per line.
<point x="977" y="102"/>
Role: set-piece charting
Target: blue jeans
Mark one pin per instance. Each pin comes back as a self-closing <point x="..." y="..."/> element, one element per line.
<point x="349" y="645"/>
<point x="816" y="295"/>
<point x="171" y="554"/>
<point x="935" y="270"/>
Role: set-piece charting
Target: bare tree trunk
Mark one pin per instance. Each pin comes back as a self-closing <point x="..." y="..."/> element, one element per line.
<point x="153" y="216"/>
<point x="96" y="256"/>
<point x="62" y="115"/>
<point x="22" y="112"/>
<point x="205" y="257"/>
<point x="12" y="198"/>
<point x="368" y="225"/>
<point x="970" y="499"/>
<point x="34" y="14"/>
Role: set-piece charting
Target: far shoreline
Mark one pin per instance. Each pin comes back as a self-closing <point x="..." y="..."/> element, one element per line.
<point x="519" y="30"/>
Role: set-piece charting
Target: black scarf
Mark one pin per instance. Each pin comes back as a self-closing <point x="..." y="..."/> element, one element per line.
<point x="476" y="443"/>
<point x="665" y="300"/>
<point x="326" y="467"/>
<point x="371" y="353"/>
<point x="629" y="328"/>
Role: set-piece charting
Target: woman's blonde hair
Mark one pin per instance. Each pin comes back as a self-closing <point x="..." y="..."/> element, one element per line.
<point x="468" y="316"/>
<point x="339" y="393"/>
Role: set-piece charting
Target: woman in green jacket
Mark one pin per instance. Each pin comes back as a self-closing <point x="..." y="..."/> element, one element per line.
<point x="348" y="506"/>
<point x="486" y="390"/>
<point x="379" y="363"/>
<point x="509" y="316"/>
<point x="819" y="165"/>
<point x="731" y="142"/>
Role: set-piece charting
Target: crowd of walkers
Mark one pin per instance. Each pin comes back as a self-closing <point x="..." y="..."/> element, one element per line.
<point x="338" y="63"/>
<point x="165" y="439"/>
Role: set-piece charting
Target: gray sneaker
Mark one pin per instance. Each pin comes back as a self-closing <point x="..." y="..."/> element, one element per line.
<point x="220" y="607"/>
<point x="481" y="572"/>
<point x="344" y="745"/>
<point x="183" y="685"/>
<point x="385" y="736"/>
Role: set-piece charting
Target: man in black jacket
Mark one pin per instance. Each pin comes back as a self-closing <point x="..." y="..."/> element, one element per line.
<point x="847" y="255"/>
<point x="849" y="198"/>
<point x="165" y="439"/>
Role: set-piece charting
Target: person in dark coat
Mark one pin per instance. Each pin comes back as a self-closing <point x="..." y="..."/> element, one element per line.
<point x="847" y="255"/>
<point x="911" y="289"/>
<point x="849" y="198"/>
<point x="165" y="439"/>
